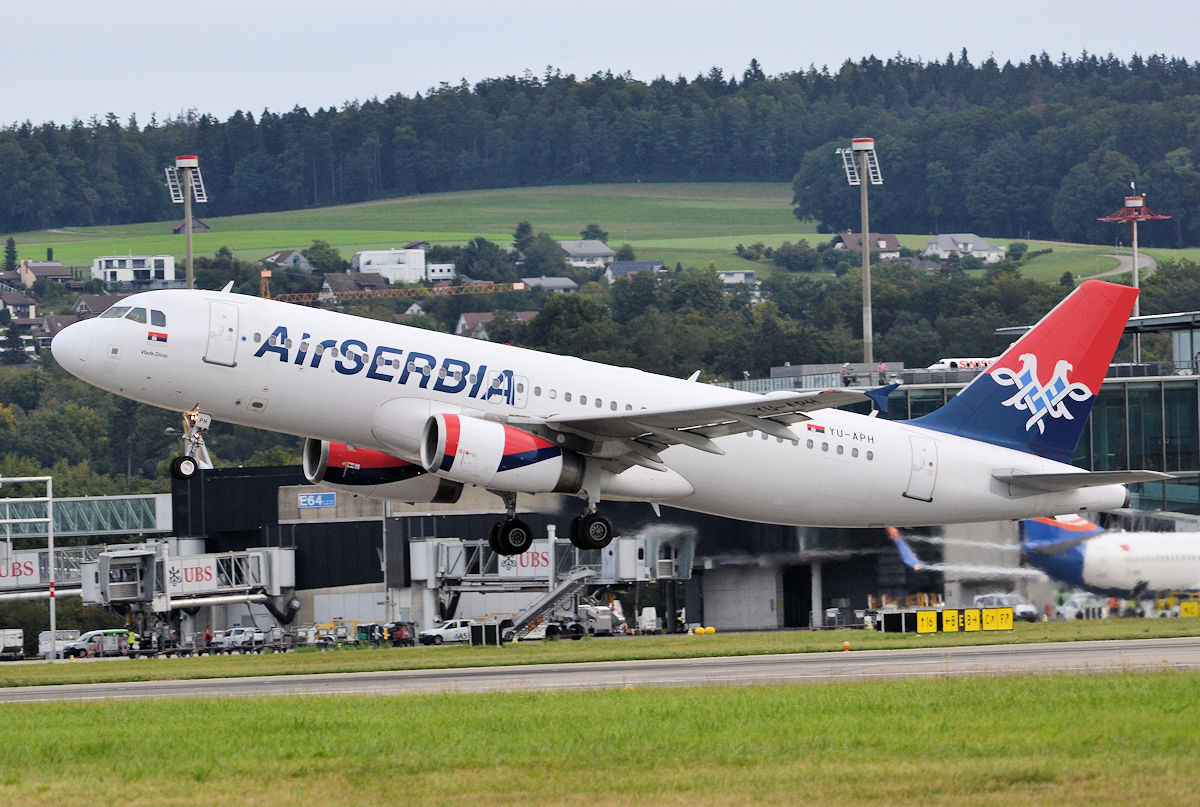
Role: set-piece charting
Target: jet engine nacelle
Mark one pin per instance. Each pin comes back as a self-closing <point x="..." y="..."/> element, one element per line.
<point x="372" y="473"/>
<point x="493" y="455"/>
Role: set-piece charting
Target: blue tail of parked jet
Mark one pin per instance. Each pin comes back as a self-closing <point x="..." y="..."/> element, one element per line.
<point x="1037" y="396"/>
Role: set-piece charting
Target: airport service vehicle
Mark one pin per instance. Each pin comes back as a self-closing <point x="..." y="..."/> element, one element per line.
<point x="456" y="630"/>
<point x="1022" y="608"/>
<point x="106" y="642"/>
<point x="12" y="643"/>
<point x="409" y="414"/>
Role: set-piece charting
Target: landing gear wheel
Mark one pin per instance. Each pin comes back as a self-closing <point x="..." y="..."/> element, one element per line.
<point x="513" y="536"/>
<point x="183" y="468"/>
<point x="591" y="531"/>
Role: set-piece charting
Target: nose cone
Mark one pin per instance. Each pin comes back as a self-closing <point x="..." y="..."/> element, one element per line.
<point x="70" y="348"/>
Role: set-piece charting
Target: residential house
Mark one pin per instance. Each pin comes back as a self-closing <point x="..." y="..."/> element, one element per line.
<point x="32" y="271"/>
<point x="289" y="259"/>
<point x="401" y="265"/>
<point x="343" y="282"/>
<point x="50" y="326"/>
<point x="19" y="306"/>
<point x="135" y="272"/>
<point x="962" y="245"/>
<point x="551" y="284"/>
<point x="475" y="325"/>
<point x="738" y="277"/>
<point x="886" y="244"/>
<point x="589" y="254"/>
<point x="619" y="269"/>
<point x="197" y="226"/>
<point x="93" y="305"/>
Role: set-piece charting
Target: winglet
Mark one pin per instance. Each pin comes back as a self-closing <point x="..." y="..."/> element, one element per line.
<point x="880" y="396"/>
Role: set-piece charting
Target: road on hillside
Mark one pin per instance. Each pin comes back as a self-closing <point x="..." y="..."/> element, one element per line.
<point x="1066" y="657"/>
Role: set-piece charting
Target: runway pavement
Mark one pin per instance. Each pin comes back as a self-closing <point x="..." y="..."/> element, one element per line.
<point x="1075" y="657"/>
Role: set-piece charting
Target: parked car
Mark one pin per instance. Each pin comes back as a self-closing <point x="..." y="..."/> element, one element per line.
<point x="1022" y="609"/>
<point x="456" y="630"/>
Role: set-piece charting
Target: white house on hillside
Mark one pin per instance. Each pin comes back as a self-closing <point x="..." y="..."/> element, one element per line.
<point x="401" y="265"/>
<point x="962" y="245"/>
<point x="589" y="254"/>
<point x="149" y="271"/>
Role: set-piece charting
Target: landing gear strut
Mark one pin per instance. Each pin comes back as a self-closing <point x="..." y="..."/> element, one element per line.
<point x="195" y="452"/>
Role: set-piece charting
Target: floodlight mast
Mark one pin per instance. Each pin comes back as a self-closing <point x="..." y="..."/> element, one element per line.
<point x="858" y="160"/>
<point x="192" y="187"/>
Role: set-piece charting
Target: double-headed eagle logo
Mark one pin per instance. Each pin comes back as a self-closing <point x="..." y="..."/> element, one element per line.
<point x="1032" y="397"/>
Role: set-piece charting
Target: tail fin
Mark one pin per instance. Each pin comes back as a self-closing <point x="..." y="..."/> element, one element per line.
<point x="906" y="554"/>
<point x="1037" y="396"/>
<point x="1063" y="532"/>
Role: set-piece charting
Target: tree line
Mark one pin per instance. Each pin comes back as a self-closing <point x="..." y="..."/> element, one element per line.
<point x="1038" y="148"/>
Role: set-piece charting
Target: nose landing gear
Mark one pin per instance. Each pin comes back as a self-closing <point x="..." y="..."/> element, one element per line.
<point x="195" y="452"/>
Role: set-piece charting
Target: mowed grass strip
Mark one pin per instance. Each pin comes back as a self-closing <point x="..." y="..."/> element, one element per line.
<point x="346" y="660"/>
<point x="1103" y="739"/>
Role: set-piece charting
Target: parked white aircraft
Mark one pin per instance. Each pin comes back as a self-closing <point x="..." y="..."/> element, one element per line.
<point x="414" y="415"/>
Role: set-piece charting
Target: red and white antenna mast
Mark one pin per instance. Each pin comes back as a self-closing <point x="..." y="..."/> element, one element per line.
<point x="1135" y="210"/>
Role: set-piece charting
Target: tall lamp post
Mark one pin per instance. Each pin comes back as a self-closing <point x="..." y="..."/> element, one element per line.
<point x="185" y="183"/>
<point x="859" y="160"/>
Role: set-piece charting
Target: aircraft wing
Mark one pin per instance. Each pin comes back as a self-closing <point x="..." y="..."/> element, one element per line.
<point x="696" y="425"/>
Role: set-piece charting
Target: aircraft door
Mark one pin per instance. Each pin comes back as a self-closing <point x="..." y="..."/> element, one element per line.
<point x="222" y="334"/>
<point x="923" y="472"/>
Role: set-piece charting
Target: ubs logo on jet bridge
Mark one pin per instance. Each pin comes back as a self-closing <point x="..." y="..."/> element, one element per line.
<point x="395" y="366"/>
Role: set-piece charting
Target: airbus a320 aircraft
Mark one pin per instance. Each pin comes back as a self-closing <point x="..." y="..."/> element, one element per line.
<point x="414" y="415"/>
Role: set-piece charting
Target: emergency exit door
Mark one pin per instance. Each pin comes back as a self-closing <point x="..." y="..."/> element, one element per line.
<point x="222" y="334"/>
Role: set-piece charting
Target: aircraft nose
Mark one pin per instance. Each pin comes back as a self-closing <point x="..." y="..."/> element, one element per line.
<point x="70" y="348"/>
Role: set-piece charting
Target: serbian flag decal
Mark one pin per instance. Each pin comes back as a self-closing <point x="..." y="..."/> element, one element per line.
<point x="156" y="336"/>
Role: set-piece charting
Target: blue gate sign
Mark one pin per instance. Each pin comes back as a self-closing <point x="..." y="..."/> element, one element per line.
<point x="326" y="499"/>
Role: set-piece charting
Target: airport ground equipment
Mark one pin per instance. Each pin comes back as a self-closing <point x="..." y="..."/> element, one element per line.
<point x="12" y="643"/>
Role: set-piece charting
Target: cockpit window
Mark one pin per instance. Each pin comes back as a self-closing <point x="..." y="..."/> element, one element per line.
<point x="158" y="318"/>
<point x="137" y="315"/>
<point x="116" y="312"/>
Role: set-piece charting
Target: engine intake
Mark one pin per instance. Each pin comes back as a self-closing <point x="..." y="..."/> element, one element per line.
<point x="372" y="473"/>
<point x="493" y="455"/>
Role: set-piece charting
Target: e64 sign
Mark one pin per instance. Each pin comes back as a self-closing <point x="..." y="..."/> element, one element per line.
<point x="324" y="499"/>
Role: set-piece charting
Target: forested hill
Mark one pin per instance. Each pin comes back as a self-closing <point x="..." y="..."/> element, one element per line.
<point x="1034" y="149"/>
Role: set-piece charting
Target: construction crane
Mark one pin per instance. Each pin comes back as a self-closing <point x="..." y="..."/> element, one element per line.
<point x="318" y="297"/>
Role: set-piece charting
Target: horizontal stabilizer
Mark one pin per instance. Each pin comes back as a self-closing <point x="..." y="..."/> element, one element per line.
<point x="1070" y="480"/>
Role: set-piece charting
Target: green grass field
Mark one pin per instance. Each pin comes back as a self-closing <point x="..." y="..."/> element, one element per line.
<point x="620" y="649"/>
<point x="1061" y="740"/>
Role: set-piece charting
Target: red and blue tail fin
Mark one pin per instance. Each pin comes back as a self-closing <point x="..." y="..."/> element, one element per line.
<point x="1042" y="534"/>
<point x="1037" y="396"/>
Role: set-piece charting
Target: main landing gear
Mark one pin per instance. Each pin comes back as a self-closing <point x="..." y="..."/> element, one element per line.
<point x="512" y="536"/>
<point x="195" y="452"/>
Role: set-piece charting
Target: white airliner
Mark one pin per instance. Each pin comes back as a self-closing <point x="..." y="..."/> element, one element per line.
<point x="1123" y="564"/>
<point x="414" y="415"/>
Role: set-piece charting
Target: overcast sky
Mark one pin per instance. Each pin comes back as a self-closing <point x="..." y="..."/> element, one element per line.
<point x="77" y="58"/>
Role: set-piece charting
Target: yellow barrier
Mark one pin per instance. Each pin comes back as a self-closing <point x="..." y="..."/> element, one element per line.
<point x="1189" y="608"/>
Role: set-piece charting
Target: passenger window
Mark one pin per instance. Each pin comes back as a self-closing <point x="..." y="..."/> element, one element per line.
<point x="158" y="318"/>
<point x="137" y="315"/>
<point x="553" y="394"/>
<point x="537" y="392"/>
<point x="567" y="397"/>
<point x="583" y="400"/>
